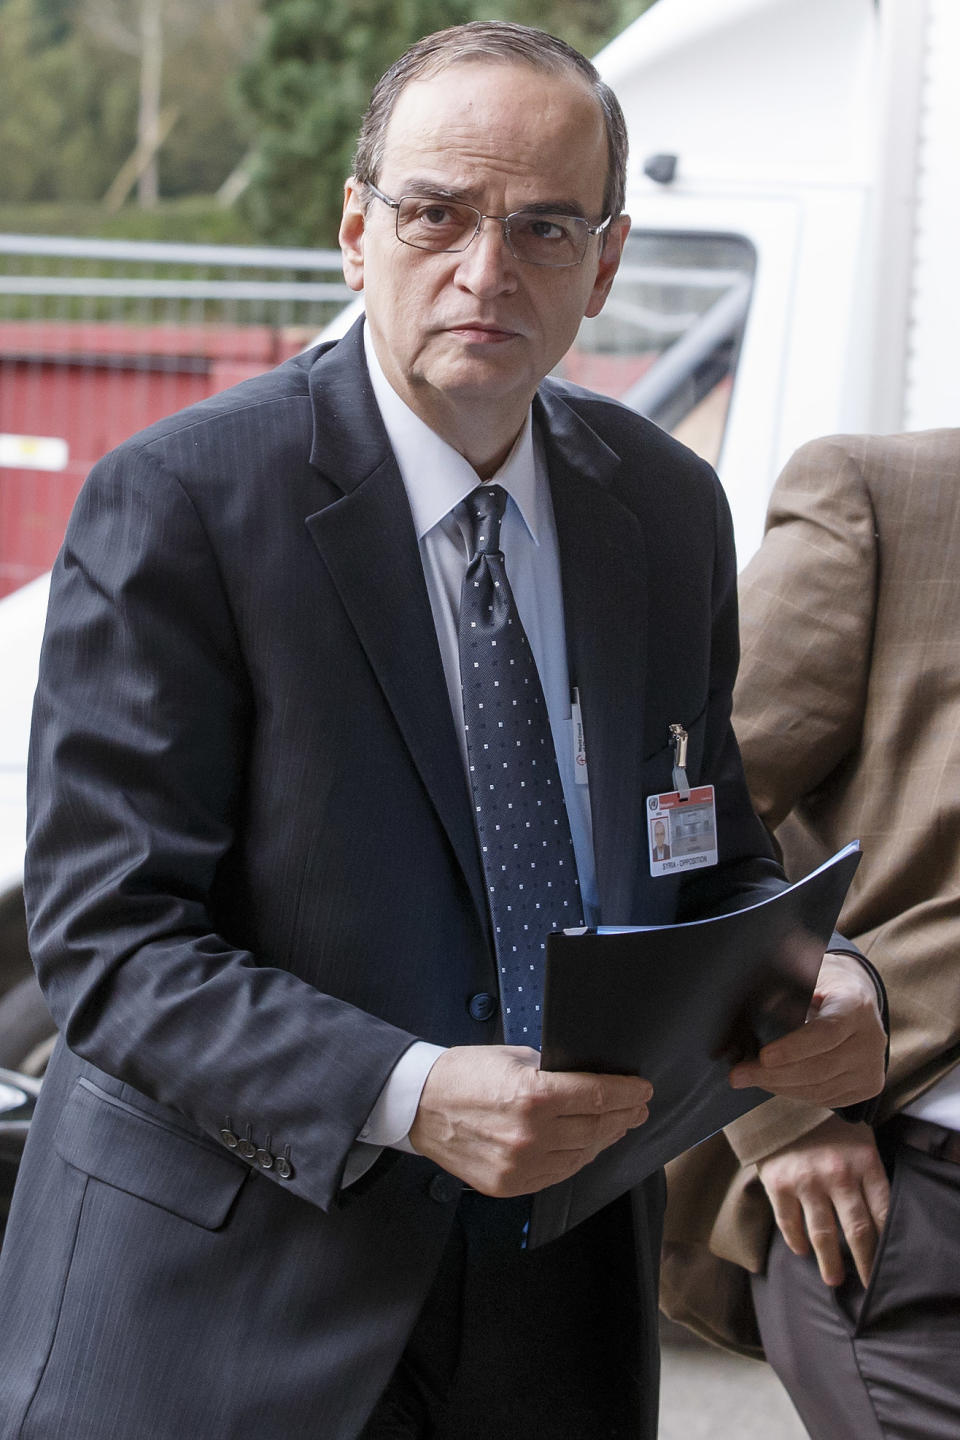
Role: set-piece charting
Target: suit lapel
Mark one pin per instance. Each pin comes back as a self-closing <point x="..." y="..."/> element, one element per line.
<point x="368" y="542"/>
<point x="604" y="578"/>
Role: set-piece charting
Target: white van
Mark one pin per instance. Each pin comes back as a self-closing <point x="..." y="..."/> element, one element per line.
<point x="794" y="264"/>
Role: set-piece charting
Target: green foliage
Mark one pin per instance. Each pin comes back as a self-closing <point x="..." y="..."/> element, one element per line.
<point x="61" y="123"/>
<point x="307" y="89"/>
<point x="69" y="97"/>
<point x="587" y="24"/>
<point x="213" y="132"/>
<point x="53" y="20"/>
<point x="309" y="84"/>
<point x="290" y="78"/>
<point x="196" y="219"/>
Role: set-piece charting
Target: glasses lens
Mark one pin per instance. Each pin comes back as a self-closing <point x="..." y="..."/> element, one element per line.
<point x="547" y="239"/>
<point x="430" y="223"/>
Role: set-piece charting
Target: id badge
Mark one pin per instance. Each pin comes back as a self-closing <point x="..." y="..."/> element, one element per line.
<point x="682" y="831"/>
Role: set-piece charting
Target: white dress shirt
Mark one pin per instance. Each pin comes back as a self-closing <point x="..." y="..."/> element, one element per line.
<point x="941" y="1103"/>
<point x="436" y="478"/>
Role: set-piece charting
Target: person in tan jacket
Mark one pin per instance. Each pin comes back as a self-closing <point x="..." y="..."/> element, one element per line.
<point x="783" y="1234"/>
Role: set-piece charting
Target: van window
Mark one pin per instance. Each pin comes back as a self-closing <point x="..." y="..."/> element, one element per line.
<point x="668" y="339"/>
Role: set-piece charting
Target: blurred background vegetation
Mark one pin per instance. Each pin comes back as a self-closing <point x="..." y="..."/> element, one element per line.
<point x="212" y="120"/>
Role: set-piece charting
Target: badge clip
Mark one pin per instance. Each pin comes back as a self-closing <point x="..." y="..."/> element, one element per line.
<point x="678" y="739"/>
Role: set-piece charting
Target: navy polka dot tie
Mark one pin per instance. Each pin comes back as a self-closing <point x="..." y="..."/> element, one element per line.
<point x="521" y="818"/>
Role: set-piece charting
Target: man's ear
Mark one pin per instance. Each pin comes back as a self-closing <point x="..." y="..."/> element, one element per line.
<point x="610" y="256"/>
<point x="352" y="226"/>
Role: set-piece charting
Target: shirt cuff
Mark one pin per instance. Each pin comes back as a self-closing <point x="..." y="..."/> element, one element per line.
<point x="393" y="1114"/>
<point x="389" y="1122"/>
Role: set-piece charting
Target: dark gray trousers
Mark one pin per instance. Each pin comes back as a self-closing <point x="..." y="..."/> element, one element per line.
<point x="514" y="1343"/>
<point x="881" y="1363"/>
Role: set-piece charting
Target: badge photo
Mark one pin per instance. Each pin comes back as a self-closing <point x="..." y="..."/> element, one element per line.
<point x="682" y="832"/>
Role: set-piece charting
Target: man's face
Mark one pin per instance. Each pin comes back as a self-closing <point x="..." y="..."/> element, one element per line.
<point x="481" y="328"/>
<point x="659" y="835"/>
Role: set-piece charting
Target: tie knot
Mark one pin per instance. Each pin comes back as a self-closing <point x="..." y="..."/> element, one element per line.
<point x="479" y="518"/>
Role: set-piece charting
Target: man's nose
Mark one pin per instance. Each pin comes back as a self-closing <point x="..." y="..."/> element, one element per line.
<point x="488" y="266"/>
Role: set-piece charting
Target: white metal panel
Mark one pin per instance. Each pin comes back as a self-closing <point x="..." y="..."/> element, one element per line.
<point x="773" y="90"/>
<point x="887" y="292"/>
<point x="933" y="372"/>
<point x="22" y="617"/>
<point x="827" y="355"/>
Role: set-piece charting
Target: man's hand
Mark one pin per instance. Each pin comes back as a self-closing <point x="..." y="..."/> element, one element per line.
<point x="491" y="1116"/>
<point x="829" y="1182"/>
<point x="836" y="1058"/>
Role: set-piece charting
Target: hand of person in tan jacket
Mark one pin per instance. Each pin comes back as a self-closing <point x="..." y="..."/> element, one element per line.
<point x="837" y="1057"/>
<point x="828" y="1186"/>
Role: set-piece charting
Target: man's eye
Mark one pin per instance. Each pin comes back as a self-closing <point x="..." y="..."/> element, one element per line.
<point x="544" y="229"/>
<point x="435" y="214"/>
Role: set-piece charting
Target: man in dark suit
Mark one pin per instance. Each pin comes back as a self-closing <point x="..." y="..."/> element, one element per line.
<point x="280" y="1171"/>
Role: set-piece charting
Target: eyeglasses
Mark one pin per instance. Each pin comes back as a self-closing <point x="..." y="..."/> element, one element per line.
<point x="537" y="237"/>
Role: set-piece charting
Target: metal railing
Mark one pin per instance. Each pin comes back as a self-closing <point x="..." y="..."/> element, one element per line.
<point x="62" y="279"/>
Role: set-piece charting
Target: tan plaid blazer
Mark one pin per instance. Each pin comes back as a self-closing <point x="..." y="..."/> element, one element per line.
<point x="847" y="710"/>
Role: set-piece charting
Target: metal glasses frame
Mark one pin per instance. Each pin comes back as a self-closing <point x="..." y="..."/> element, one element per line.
<point x="503" y="220"/>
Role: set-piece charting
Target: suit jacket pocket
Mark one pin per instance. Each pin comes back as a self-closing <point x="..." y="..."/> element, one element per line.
<point x="112" y="1141"/>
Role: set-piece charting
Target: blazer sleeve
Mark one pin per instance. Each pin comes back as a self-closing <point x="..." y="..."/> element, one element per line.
<point x="807" y="603"/>
<point x="141" y="728"/>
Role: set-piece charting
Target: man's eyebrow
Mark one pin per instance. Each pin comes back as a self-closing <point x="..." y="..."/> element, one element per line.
<point x="429" y="188"/>
<point x="556" y="207"/>
<point x="425" y="189"/>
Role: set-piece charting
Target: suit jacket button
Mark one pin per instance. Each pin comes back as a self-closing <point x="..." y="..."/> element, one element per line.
<point x="284" y="1168"/>
<point x="483" y="1006"/>
<point x="247" y="1149"/>
<point x="229" y="1139"/>
<point x="264" y="1159"/>
<point x="443" y="1189"/>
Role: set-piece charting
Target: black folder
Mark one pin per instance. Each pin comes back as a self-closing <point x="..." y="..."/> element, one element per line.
<point x="679" y="1004"/>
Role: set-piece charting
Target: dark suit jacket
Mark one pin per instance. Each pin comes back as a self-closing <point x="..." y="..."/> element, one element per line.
<point x="253" y="880"/>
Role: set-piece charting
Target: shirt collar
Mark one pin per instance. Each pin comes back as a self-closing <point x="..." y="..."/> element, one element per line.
<point x="435" y="476"/>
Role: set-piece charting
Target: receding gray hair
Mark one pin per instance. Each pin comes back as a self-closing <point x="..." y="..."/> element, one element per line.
<point x="497" y="41"/>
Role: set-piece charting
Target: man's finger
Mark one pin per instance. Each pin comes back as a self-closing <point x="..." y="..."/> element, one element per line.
<point x="860" y="1233"/>
<point x="825" y="1240"/>
<point x="863" y="1220"/>
<point x="789" y="1060"/>
<point x="767" y="1073"/>
<point x="818" y="1037"/>
<point x="832" y="1095"/>
<point x="876" y="1189"/>
<point x="788" y="1213"/>
<point x="844" y="1076"/>
<point x="576" y="1093"/>
<point x="577" y="1132"/>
